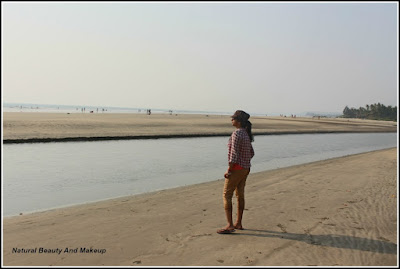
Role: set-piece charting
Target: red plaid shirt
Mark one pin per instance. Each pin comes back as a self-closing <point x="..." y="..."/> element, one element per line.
<point x="240" y="150"/>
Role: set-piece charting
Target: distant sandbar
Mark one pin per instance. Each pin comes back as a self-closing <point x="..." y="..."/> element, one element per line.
<point x="25" y="127"/>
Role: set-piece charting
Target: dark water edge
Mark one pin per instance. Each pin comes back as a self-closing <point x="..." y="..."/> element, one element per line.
<point x="143" y="137"/>
<point x="39" y="176"/>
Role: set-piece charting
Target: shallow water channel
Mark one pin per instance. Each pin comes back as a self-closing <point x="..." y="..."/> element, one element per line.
<point x="42" y="176"/>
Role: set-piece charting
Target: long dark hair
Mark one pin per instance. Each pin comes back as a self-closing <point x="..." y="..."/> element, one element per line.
<point x="246" y="124"/>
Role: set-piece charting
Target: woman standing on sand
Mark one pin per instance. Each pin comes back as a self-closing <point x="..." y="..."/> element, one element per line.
<point x="240" y="152"/>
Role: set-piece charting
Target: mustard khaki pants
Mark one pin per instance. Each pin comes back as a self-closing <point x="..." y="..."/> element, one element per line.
<point x="235" y="182"/>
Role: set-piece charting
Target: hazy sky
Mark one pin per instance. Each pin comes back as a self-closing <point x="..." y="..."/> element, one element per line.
<point x="259" y="57"/>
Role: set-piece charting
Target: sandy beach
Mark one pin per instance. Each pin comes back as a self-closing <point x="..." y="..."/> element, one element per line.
<point x="20" y="127"/>
<point x="337" y="212"/>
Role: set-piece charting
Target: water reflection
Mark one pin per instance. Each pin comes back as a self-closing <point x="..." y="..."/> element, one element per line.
<point x="48" y="175"/>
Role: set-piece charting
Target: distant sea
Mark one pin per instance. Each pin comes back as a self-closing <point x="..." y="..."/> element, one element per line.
<point x="54" y="108"/>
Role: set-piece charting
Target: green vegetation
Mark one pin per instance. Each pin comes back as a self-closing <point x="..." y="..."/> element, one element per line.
<point x="372" y="112"/>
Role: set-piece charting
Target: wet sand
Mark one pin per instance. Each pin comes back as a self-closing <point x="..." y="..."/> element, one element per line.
<point x="22" y="127"/>
<point x="337" y="212"/>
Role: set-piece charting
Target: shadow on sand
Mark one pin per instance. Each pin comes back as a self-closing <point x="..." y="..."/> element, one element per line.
<point x="329" y="240"/>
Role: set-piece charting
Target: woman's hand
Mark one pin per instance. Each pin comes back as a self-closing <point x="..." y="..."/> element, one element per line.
<point x="229" y="171"/>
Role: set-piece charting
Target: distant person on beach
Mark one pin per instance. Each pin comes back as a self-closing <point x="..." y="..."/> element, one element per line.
<point x="240" y="152"/>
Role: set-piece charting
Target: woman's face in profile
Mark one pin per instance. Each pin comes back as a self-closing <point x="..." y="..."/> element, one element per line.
<point x="235" y="123"/>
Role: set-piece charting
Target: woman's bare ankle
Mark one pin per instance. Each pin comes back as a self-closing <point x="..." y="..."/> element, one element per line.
<point x="238" y="226"/>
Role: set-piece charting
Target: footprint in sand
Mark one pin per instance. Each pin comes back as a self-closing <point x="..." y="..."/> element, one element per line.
<point x="384" y="239"/>
<point x="198" y="235"/>
<point x="283" y="228"/>
<point x="248" y="260"/>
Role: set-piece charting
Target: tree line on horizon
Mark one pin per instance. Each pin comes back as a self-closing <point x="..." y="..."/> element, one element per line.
<point x="373" y="112"/>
